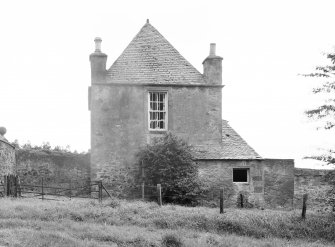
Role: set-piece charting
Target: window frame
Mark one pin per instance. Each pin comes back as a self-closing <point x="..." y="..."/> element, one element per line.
<point x="248" y="174"/>
<point x="166" y="109"/>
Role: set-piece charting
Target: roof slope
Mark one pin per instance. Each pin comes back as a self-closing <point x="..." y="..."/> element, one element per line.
<point x="4" y="140"/>
<point x="150" y="58"/>
<point x="233" y="147"/>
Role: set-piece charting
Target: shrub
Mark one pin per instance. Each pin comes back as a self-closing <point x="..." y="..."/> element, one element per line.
<point x="168" y="161"/>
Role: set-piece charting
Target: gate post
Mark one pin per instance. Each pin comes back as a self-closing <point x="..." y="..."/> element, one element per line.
<point x="10" y="185"/>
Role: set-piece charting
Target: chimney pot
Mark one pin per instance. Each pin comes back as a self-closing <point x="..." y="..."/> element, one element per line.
<point x="212" y="50"/>
<point x="97" y="41"/>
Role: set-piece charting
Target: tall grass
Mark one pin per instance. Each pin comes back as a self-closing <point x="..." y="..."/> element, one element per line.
<point x="121" y="223"/>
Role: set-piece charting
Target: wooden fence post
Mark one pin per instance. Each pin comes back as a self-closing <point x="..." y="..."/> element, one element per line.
<point x="304" y="206"/>
<point x="143" y="195"/>
<point x="221" y="201"/>
<point x="241" y="198"/>
<point x="42" y="189"/>
<point x="5" y="186"/>
<point x="70" y="188"/>
<point x="159" y="194"/>
<point x="100" y="191"/>
<point x="18" y="186"/>
<point x="143" y="178"/>
<point x="11" y="184"/>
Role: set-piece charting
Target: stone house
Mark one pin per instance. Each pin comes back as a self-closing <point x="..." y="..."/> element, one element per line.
<point x="151" y="89"/>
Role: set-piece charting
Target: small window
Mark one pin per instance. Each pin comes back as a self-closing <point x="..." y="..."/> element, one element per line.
<point x="157" y="110"/>
<point x="240" y="175"/>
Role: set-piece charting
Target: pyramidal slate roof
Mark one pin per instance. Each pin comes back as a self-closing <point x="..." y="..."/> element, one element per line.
<point x="232" y="147"/>
<point x="151" y="59"/>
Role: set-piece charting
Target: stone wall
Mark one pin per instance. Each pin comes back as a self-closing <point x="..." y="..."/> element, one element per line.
<point x="271" y="182"/>
<point x="219" y="174"/>
<point x="7" y="159"/>
<point x="315" y="184"/>
<point x="119" y="117"/>
<point x="56" y="168"/>
<point x="279" y="182"/>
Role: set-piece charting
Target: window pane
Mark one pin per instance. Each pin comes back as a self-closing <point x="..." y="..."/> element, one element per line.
<point x="161" y="107"/>
<point x="161" y="116"/>
<point x="161" y="97"/>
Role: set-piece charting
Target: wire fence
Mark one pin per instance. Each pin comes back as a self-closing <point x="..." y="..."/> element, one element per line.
<point x="98" y="190"/>
<point x="11" y="186"/>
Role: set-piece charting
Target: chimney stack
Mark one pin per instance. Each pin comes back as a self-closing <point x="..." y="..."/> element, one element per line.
<point x="98" y="63"/>
<point x="213" y="67"/>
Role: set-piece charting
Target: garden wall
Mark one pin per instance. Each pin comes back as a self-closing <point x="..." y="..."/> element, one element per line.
<point x="55" y="167"/>
<point x="315" y="184"/>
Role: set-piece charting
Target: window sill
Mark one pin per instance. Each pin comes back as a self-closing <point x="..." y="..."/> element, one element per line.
<point x="157" y="131"/>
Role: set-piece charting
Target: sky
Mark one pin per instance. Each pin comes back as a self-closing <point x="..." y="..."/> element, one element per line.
<point x="265" y="45"/>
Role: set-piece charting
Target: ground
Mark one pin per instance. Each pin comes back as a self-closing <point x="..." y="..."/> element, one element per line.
<point x="32" y="222"/>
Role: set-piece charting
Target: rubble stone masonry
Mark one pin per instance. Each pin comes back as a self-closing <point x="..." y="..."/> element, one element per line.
<point x="270" y="183"/>
<point x="7" y="159"/>
<point x="55" y="167"/>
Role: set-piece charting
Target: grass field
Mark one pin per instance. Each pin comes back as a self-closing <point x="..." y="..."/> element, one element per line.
<point x="31" y="222"/>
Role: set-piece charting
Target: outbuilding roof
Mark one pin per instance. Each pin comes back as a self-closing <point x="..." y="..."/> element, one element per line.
<point x="151" y="59"/>
<point x="4" y="140"/>
<point x="233" y="146"/>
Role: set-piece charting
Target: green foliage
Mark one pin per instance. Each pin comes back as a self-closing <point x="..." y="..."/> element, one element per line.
<point x="326" y="111"/>
<point x="168" y="161"/>
<point x="326" y="75"/>
<point x="45" y="146"/>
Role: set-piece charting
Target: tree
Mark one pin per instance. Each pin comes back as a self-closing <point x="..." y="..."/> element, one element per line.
<point x="326" y="111"/>
<point x="168" y="161"/>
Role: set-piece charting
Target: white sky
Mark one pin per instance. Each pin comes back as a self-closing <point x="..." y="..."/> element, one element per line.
<point x="45" y="70"/>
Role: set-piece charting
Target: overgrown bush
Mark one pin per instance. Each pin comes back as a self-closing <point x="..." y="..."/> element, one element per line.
<point x="168" y="161"/>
